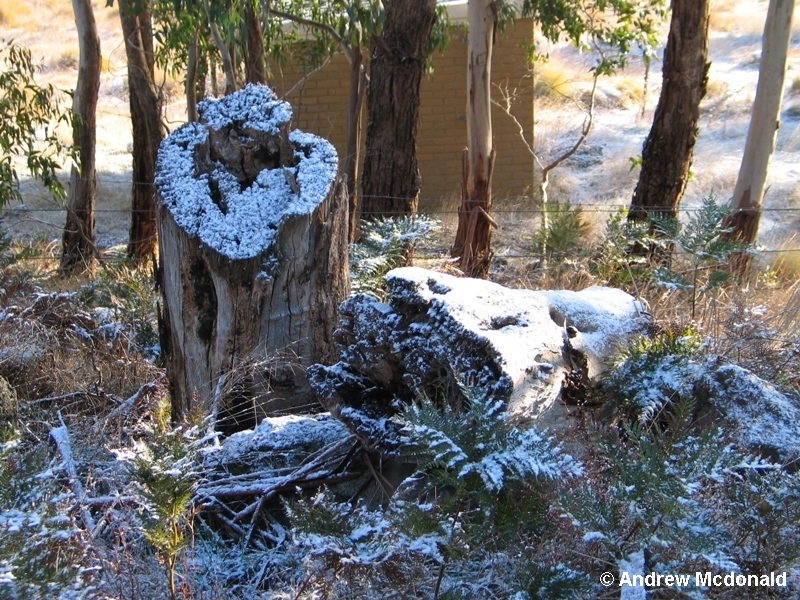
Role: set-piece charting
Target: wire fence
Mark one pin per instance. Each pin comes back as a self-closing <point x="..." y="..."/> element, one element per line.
<point x="518" y="217"/>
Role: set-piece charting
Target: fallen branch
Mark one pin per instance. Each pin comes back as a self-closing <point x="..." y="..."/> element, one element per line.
<point x="60" y="436"/>
<point x="148" y="388"/>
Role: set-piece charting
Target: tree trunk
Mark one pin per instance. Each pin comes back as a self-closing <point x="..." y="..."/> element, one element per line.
<point x="148" y="130"/>
<point x="78" y="244"/>
<point x="357" y="84"/>
<point x="191" y="82"/>
<point x="391" y="179"/>
<point x="764" y="124"/>
<point x="255" y="63"/>
<point x="668" y="149"/>
<point x="473" y="238"/>
<point x="253" y="247"/>
<point x="224" y="52"/>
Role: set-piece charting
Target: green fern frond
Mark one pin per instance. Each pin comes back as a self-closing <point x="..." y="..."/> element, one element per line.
<point x="385" y="243"/>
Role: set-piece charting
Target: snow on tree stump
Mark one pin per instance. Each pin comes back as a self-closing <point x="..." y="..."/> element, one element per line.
<point x="536" y="351"/>
<point x="252" y="223"/>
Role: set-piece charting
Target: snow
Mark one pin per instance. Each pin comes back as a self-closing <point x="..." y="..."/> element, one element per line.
<point x="274" y="434"/>
<point x="248" y="225"/>
<point x="632" y="565"/>
<point x="526" y="330"/>
<point x="761" y="416"/>
<point x="254" y="107"/>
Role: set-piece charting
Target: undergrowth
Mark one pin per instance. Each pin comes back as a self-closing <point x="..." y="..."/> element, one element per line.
<point x="487" y="510"/>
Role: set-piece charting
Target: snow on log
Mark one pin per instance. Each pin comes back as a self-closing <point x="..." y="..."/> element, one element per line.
<point x="252" y="224"/>
<point x="531" y="349"/>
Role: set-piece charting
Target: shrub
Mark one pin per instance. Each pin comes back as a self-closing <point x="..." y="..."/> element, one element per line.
<point x="28" y="110"/>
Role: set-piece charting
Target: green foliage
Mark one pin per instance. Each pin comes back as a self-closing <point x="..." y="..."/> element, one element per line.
<point x="700" y="239"/>
<point x="553" y="582"/>
<point x="565" y="231"/>
<point x="474" y="450"/>
<point x="682" y="500"/>
<point x="621" y="26"/>
<point x="654" y="373"/>
<point x="129" y="291"/>
<point x="41" y="549"/>
<point x="29" y="114"/>
<point x="615" y="261"/>
<point x="385" y="243"/>
<point x="164" y="472"/>
<point x="762" y="512"/>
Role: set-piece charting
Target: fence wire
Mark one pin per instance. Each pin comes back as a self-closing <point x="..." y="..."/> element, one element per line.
<point x="15" y="219"/>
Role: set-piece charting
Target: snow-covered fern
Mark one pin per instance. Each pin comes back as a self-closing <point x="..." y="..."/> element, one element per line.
<point x="385" y="243"/>
<point x="479" y="441"/>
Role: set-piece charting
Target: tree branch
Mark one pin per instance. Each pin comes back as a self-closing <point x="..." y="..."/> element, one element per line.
<point x="346" y="46"/>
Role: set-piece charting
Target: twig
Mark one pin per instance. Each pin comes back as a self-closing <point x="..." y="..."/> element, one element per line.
<point x="147" y="388"/>
<point x="306" y="77"/>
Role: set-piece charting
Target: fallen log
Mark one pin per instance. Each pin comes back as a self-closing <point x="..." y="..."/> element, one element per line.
<point x="439" y="333"/>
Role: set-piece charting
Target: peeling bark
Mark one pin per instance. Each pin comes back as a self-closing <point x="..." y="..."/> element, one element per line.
<point x="762" y="134"/>
<point x="474" y="234"/>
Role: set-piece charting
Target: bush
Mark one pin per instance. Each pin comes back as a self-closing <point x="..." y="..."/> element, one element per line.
<point x="28" y="111"/>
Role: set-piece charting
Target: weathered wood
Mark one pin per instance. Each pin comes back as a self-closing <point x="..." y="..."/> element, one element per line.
<point x="533" y="350"/>
<point x="253" y="245"/>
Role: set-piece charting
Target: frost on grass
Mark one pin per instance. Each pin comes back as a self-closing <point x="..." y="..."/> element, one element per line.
<point x="227" y="179"/>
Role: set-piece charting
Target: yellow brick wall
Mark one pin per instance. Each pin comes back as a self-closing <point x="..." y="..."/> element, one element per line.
<point x="320" y="106"/>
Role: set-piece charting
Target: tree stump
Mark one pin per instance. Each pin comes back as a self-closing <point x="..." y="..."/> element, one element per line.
<point x="252" y="223"/>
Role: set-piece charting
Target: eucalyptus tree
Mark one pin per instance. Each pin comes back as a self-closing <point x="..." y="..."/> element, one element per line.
<point x="391" y="179"/>
<point x="148" y="130"/>
<point x="764" y="124"/>
<point x="29" y="114"/>
<point x="78" y="242"/>
<point x="668" y="149"/>
<point x="346" y="26"/>
<point x="611" y="27"/>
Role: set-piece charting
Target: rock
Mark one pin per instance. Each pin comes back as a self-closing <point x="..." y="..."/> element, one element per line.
<point x="439" y="333"/>
<point x="758" y="416"/>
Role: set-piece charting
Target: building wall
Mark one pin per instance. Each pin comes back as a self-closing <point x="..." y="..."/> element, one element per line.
<point x="320" y="105"/>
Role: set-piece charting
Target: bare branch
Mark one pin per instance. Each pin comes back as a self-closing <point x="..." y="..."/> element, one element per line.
<point x="587" y="127"/>
<point x="306" y="77"/>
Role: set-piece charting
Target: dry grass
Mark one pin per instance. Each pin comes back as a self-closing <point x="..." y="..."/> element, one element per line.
<point x="553" y="80"/>
<point x="15" y="13"/>
<point x="631" y="90"/>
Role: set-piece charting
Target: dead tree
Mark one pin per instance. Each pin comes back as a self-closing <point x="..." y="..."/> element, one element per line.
<point x="252" y="224"/>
